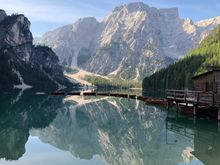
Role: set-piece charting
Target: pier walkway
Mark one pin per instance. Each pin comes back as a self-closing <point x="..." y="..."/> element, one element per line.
<point x="206" y="101"/>
<point x="122" y="95"/>
<point x="195" y="100"/>
<point x="193" y="97"/>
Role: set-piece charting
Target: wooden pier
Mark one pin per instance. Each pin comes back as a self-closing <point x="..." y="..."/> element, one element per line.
<point x="194" y="102"/>
<point x="194" y="97"/>
<point x="124" y="95"/>
<point x="151" y="101"/>
<point x="198" y="100"/>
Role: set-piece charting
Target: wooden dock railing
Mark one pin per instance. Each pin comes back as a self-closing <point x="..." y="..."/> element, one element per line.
<point x="194" y="97"/>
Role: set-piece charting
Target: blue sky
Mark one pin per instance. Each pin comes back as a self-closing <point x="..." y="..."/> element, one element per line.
<point x="46" y="15"/>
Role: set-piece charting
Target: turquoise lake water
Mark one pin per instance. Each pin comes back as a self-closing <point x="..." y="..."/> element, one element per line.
<point x="53" y="130"/>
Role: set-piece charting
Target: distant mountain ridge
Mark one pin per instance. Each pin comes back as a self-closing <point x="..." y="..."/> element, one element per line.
<point x="179" y="75"/>
<point x="22" y="65"/>
<point x="132" y="42"/>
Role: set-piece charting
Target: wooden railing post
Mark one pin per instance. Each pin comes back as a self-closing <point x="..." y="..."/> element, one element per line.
<point x="213" y="98"/>
<point x="197" y="97"/>
<point x="185" y="93"/>
<point x="175" y="95"/>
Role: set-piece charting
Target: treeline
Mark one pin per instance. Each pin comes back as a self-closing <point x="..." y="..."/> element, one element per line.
<point x="179" y="75"/>
<point x="112" y="83"/>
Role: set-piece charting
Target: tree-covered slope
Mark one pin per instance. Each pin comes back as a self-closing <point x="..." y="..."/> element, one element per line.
<point x="179" y="75"/>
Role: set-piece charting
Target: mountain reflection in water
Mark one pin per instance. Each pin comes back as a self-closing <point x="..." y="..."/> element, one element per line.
<point x="117" y="130"/>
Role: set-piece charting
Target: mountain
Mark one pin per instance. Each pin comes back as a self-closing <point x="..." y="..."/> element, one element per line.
<point x="132" y="42"/>
<point x="24" y="65"/>
<point x="179" y="75"/>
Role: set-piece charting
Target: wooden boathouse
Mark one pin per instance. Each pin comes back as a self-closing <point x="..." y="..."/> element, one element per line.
<point x="205" y="96"/>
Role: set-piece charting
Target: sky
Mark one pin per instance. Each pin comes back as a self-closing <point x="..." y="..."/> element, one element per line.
<point x="46" y="15"/>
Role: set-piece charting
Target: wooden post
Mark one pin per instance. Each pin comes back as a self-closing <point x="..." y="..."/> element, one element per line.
<point x="195" y="109"/>
<point x="218" y="126"/>
<point x="198" y="98"/>
<point x="185" y="93"/>
<point x="177" y="107"/>
<point x="213" y="99"/>
<point x="218" y="107"/>
<point x="194" y="120"/>
<point x="194" y="113"/>
<point x="186" y="98"/>
<point x="168" y="105"/>
<point x="218" y="113"/>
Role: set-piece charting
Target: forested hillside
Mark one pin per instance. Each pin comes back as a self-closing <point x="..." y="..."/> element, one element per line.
<point x="179" y="75"/>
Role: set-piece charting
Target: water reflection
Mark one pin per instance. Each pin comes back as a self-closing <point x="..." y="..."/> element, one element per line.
<point x="18" y="115"/>
<point x="205" y="134"/>
<point x="118" y="130"/>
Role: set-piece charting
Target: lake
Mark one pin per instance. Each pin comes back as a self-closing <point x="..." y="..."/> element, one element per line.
<point x="36" y="128"/>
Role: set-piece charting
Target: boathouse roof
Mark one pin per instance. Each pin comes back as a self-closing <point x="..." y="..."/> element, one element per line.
<point x="210" y="69"/>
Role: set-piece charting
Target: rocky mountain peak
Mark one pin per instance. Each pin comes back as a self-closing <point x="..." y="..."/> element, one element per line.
<point x="85" y="23"/>
<point x="2" y="15"/>
<point x="22" y="64"/>
<point x="132" y="42"/>
<point x="17" y="31"/>
<point x="209" y="22"/>
<point x="142" y="7"/>
<point x="86" y="20"/>
<point x="127" y="10"/>
<point x="136" y="6"/>
<point x="131" y="7"/>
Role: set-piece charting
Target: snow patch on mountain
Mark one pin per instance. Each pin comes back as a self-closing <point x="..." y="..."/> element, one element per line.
<point x="21" y="86"/>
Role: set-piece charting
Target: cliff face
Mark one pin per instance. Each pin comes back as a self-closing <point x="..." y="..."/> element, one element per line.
<point x="22" y="64"/>
<point x="132" y="42"/>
